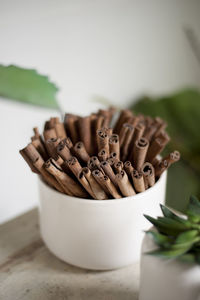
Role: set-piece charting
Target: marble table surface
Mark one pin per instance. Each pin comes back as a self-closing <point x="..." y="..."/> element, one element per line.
<point x="29" y="271"/>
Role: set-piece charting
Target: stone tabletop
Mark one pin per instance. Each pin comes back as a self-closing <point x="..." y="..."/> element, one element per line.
<point x="29" y="271"/>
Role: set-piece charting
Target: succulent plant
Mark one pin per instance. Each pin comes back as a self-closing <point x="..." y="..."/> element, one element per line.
<point x="178" y="236"/>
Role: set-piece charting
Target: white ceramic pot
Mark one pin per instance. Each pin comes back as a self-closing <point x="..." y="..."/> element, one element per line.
<point x="97" y="234"/>
<point x="163" y="279"/>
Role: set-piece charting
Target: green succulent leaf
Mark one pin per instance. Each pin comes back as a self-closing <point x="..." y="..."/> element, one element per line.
<point x="177" y="237"/>
<point x="160" y="239"/>
<point x="193" y="209"/>
<point x="26" y="85"/>
<point x="167" y="225"/>
<point x="187" y="237"/>
<point x="168" y="213"/>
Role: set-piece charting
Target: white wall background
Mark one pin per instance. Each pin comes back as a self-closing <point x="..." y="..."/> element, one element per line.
<point x="115" y="49"/>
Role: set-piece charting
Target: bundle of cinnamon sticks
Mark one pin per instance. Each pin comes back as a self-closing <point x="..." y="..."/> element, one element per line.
<point x="85" y="157"/>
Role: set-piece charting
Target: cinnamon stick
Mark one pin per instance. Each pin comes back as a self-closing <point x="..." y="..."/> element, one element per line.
<point x="124" y="184"/>
<point x="124" y="114"/>
<point x="70" y="186"/>
<point x="166" y="162"/>
<point x="80" y="152"/>
<point x="30" y="154"/>
<point x="60" y="130"/>
<point x="99" y="177"/>
<point x="48" y="178"/>
<point x="149" y="174"/>
<point x="71" y="126"/>
<point x="128" y="135"/>
<point x="138" y="133"/>
<point x="157" y="146"/>
<point x="139" y="152"/>
<point x="97" y="190"/>
<point x="40" y="147"/>
<point x="128" y="169"/>
<point x="84" y="125"/>
<point x="109" y="171"/>
<point x="102" y="141"/>
<point x="63" y="151"/>
<point x="102" y="155"/>
<point x="74" y="166"/>
<point x="51" y="146"/>
<point x="114" y="145"/>
<point x="118" y="166"/>
<point x="138" y="181"/>
<point x="111" y="188"/>
<point x="49" y="134"/>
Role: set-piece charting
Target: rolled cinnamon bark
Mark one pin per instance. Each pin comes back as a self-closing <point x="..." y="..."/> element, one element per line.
<point x="99" y="177"/>
<point x="157" y="146"/>
<point x="80" y="152"/>
<point x="111" y="161"/>
<point x="48" y="178"/>
<point x="102" y="141"/>
<point x="36" y="132"/>
<point x="68" y="142"/>
<point x="166" y="162"/>
<point x="138" y="133"/>
<point x="102" y="155"/>
<point x="51" y="146"/>
<point x="124" y="114"/>
<point x="40" y="148"/>
<point x="114" y="145"/>
<point x="139" y="153"/>
<point x="74" y="166"/>
<point x="118" y="166"/>
<point x="109" y="171"/>
<point x="113" y="155"/>
<point x="59" y="161"/>
<point x="49" y="134"/>
<point x="172" y="157"/>
<point x="127" y="141"/>
<point x="71" y="126"/>
<point x="124" y="184"/>
<point x="111" y="188"/>
<point x="160" y="167"/>
<point x="97" y="190"/>
<point x="149" y="174"/>
<point x="70" y="186"/>
<point x="128" y="169"/>
<point x="60" y="130"/>
<point x="63" y="151"/>
<point x="138" y="181"/>
<point x="30" y="154"/>
<point x="84" y="125"/>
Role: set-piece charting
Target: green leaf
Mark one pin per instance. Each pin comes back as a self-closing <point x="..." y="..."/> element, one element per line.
<point x="182" y="113"/>
<point x="187" y="237"/>
<point x="168" y="213"/>
<point x="160" y="239"/>
<point x="27" y="86"/>
<point x="167" y="225"/>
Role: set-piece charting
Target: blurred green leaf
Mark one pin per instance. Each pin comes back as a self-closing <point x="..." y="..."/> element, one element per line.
<point x="182" y="113"/>
<point x="160" y="239"/>
<point x="27" y="86"/>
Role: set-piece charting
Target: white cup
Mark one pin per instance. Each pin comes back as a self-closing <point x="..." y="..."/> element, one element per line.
<point x="97" y="234"/>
